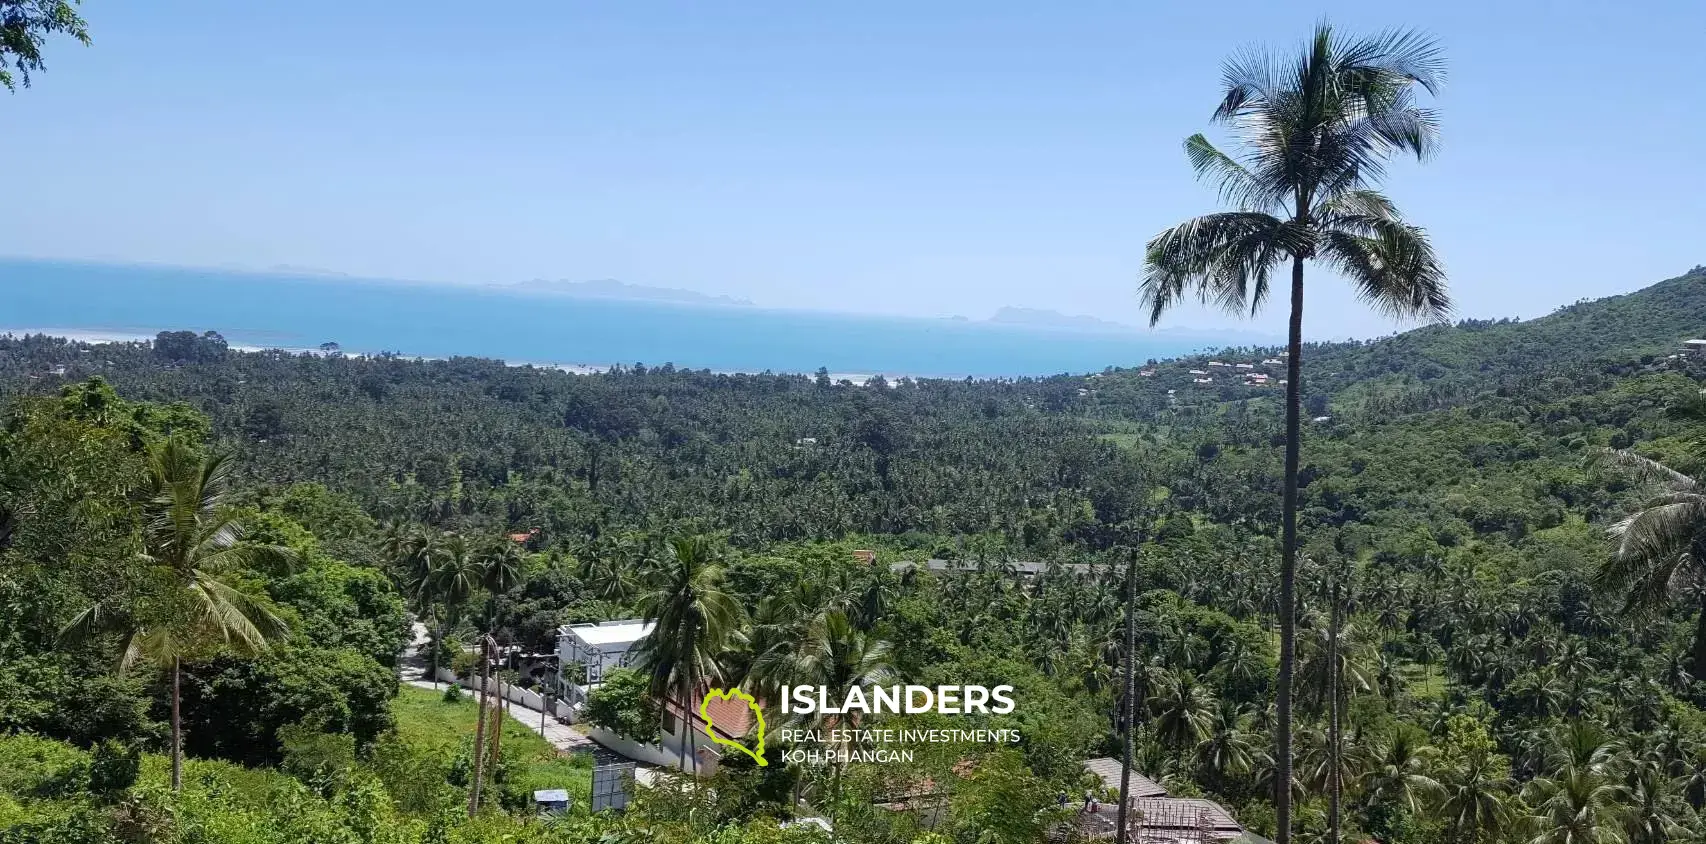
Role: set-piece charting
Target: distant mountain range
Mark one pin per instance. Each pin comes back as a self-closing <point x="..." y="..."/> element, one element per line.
<point x="609" y="288"/>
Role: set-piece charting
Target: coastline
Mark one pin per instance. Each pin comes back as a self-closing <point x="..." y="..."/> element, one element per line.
<point x="102" y="336"/>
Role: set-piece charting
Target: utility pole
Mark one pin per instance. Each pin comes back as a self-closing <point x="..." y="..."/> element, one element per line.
<point x="1128" y="709"/>
<point x="498" y="709"/>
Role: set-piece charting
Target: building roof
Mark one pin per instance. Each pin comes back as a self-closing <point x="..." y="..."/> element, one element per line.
<point x="730" y="717"/>
<point x="605" y="633"/>
<point x="1694" y="342"/>
<point x="1108" y="769"/>
<point x="1026" y="567"/>
<point x="1185" y="813"/>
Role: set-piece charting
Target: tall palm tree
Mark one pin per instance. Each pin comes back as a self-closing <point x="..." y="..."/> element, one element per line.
<point x="1398" y="773"/>
<point x="695" y="623"/>
<point x="1315" y="134"/>
<point x="832" y="653"/>
<point x="1226" y="752"/>
<point x="457" y="572"/>
<point x="1660" y="553"/>
<point x="192" y="541"/>
<point x="1473" y="803"/>
<point x="1653" y="812"/>
<point x="1184" y="710"/>
<point x="1579" y="807"/>
<point x="414" y="551"/>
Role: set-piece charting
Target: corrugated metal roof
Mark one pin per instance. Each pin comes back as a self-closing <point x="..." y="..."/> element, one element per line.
<point x="1109" y="770"/>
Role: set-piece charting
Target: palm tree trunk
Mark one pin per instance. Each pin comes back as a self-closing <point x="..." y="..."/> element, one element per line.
<point x="1288" y="558"/>
<point x="1128" y="710"/>
<point x="1333" y="734"/>
<point x="177" y="729"/>
<point x="692" y="743"/>
<point x="1699" y="668"/>
<point x="480" y="729"/>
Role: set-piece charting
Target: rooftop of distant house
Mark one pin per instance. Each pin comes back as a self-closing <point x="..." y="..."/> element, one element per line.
<point x="1108" y="770"/>
<point x="1155" y="816"/>
<point x="621" y="631"/>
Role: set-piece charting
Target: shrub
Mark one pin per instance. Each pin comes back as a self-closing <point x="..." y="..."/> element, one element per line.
<point x="113" y="768"/>
<point x="623" y="705"/>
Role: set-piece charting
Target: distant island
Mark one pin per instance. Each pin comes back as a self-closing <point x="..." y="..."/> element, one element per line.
<point x="1043" y="318"/>
<point x="609" y="288"/>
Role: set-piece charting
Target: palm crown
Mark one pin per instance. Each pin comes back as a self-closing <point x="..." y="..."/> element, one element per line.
<point x="1313" y="134"/>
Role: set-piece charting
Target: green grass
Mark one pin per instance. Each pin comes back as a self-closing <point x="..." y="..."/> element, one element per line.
<point x="1423" y="683"/>
<point x="427" y="724"/>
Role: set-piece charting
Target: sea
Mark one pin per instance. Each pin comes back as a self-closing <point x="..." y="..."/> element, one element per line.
<point x="415" y="319"/>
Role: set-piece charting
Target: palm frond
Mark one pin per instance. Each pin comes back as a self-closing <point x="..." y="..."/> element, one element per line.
<point x="1225" y="258"/>
<point x="88" y="625"/>
<point x="244" y="622"/>
<point x="1645" y="469"/>
<point x="1394" y="269"/>
<point x="1356" y="210"/>
<point x="1235" y="184"/>
<point x="1407" y="55"/>
<point x="1664" y="529"/>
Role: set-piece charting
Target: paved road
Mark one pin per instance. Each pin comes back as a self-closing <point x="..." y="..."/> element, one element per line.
<point x="564" y="737"/>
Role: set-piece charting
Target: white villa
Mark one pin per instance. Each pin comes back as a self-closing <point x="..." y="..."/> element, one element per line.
<point x="586" y="652"/>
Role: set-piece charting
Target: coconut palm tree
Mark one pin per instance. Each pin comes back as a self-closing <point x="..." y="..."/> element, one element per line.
<point x="1583" y="745"/>
<point x="1183" y="710"/>
<point x="193" y="543"/>
<point x="1579" y="807"/>
<point x="1653" y="813"/>
<point x="1397" y="775"/>
<point x="1315" y="133"/>
<point x="1226" y="752"/>
<point x="1474" y="793"/>
<point x="832" y="653"/>
<point x="695" y="624"/>
<point x="413" y="551"/>
<point x="1660" y="553"/>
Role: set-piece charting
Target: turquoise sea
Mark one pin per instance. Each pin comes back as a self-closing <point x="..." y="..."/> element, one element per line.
<point x="438" y="320"/>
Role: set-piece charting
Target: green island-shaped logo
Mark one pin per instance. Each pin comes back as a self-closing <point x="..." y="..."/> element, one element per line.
<point x="711" y="728"/>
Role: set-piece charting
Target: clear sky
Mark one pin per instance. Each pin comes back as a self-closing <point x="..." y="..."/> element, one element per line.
<point x="928" y="158"/>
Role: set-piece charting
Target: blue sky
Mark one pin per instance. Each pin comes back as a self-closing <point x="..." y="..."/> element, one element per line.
<point x="927" y="158"/>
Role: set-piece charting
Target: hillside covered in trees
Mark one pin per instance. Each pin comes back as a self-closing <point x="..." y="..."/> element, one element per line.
<point x="1498" y="678"/>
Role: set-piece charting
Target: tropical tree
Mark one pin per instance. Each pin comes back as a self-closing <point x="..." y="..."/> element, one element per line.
<point x="1654" y="813"/>
<point x="1183" y="710"/>
<point x="1398" y="773"/>
<point x="1315" y="133"/>
<point x="832" y="654"/>
<point x="1660" y="553"/>
<point x="1226" y="752"/>
<point x="695" y="623"/>
<point x="1579" y="807"/>
<point x="1474" y="804"/>
<point x="414" y="555"/>
<point x="24" y="27"/>
<point x="193" y="544"/>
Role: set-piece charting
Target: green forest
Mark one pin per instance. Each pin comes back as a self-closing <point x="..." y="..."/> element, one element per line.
<point x="1502" y="672"/>
<point x="1441" y="587"/>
